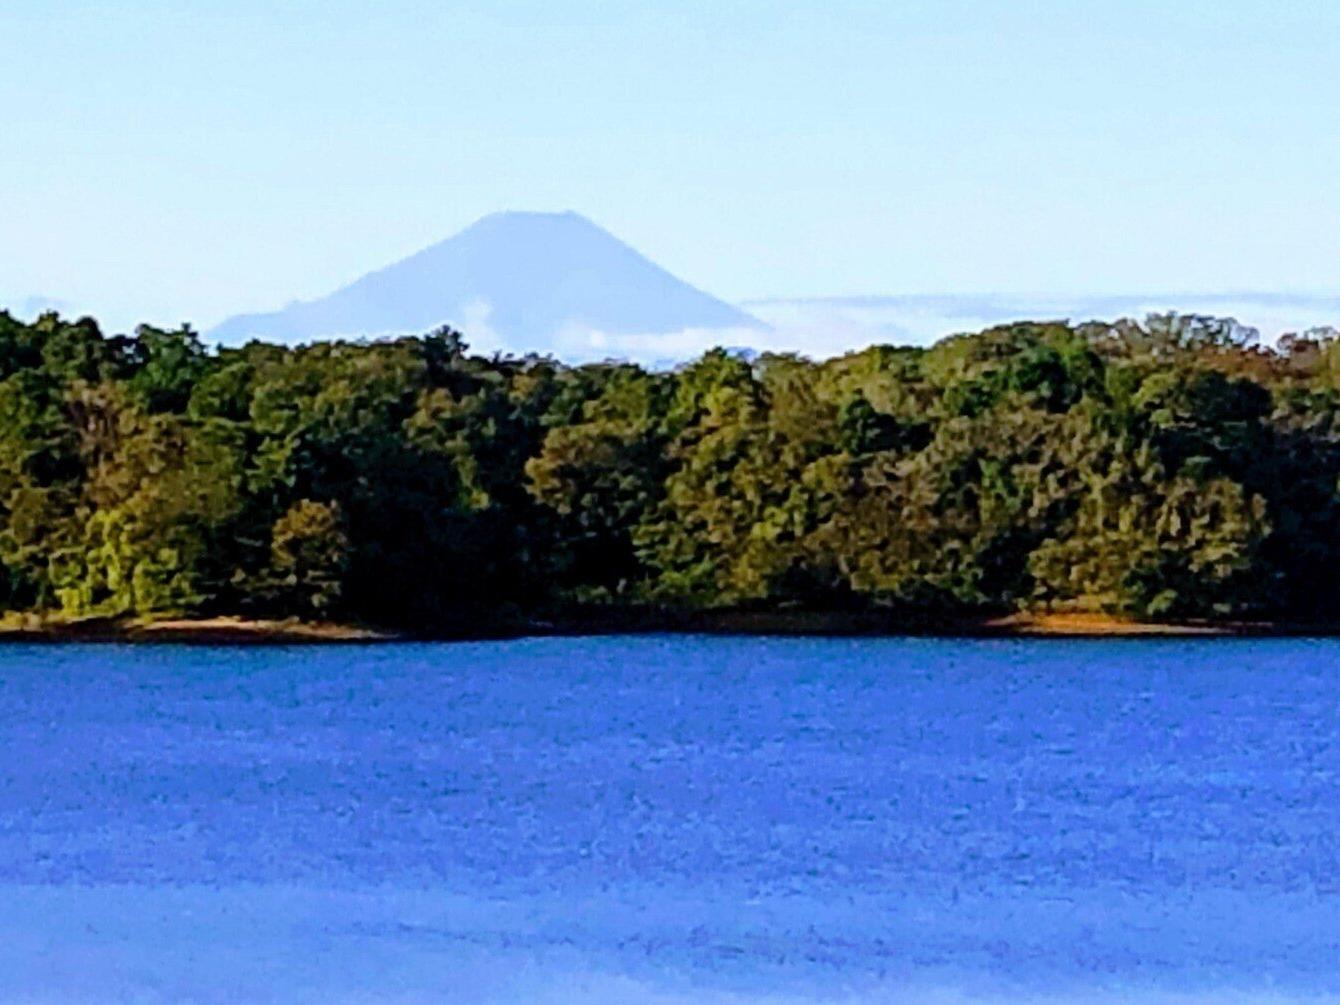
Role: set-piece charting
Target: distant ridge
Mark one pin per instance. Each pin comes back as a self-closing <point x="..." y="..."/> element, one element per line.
<point x="527" y="280"/>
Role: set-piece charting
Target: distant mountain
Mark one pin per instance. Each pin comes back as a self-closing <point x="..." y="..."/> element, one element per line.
<point x="516" y="281"/>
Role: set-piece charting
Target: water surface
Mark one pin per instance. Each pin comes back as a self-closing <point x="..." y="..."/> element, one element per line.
<point x="672" y="819"/>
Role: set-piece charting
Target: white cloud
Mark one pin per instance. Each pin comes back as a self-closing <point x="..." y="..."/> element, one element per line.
<point x="478" y="332"/>
<point x="854" y="322"/>
<point x="824" y="327"/>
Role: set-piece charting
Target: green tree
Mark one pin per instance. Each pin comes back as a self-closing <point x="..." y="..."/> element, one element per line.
<point x="309" y="556"/>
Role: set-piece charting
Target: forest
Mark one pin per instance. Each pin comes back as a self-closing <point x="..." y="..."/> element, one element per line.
<point x="1164" y="469"/>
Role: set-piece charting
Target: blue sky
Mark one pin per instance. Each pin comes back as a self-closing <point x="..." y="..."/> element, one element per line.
<point x="178" y="160"/>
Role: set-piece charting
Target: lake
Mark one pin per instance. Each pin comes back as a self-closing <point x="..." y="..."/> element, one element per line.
<point x="672" y="819"/>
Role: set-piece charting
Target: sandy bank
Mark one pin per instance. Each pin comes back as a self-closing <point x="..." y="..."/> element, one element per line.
<point x="205" y="631"/>
<point x="244" y="631"/>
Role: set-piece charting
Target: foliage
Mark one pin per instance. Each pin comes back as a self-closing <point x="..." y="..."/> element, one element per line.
<point x="1169" y="468"/>
<point x="309" y="554"/>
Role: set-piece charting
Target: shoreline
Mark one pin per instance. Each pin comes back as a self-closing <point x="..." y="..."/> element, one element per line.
<point x="195" y="631"/>
<point x="232" y="630"/>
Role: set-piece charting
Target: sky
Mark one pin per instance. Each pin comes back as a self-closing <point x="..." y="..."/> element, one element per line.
<point x="182" y="161"/>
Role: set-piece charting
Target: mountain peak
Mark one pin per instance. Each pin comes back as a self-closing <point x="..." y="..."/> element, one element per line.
<point x="530" y="220"/>
<point x="525" y="280"/>
<point x="532" y="215"/>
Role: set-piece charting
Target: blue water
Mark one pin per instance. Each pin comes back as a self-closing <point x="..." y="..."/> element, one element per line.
<point x="672" y="819"/>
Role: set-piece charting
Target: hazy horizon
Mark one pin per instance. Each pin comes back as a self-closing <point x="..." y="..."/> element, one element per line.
<point x="235" y="158"/>
<point x="558" y="283"/>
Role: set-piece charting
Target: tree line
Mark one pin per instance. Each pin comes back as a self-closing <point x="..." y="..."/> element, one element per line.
<point x="1166" y="468"/>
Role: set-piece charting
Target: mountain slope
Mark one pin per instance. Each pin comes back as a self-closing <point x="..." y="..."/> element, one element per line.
<point x="528" y="278"/>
